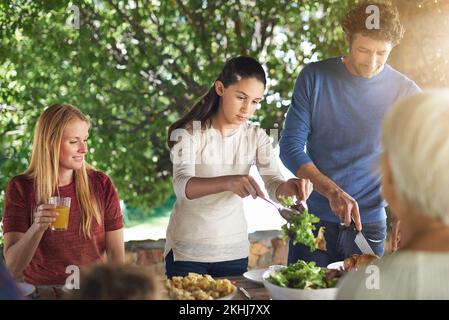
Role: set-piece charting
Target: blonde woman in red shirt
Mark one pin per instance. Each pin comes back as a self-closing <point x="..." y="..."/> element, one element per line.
<point x="58" y="168"/>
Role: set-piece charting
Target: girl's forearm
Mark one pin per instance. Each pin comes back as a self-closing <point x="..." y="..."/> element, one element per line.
<point x="200" y="187"/>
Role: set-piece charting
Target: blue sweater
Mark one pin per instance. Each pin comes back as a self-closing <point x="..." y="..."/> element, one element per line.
<point x="335" y="121"/>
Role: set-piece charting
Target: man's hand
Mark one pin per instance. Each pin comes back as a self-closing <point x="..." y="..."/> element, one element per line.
<point x="341" y="203"/>
<point x="345" y="208"/>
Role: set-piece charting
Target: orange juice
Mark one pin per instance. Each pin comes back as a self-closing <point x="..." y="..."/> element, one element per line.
<point x="62" y="221"/>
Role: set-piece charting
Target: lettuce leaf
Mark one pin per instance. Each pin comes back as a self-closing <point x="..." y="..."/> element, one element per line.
<point x="303" y="275"/>
<point x="300" y="229"/>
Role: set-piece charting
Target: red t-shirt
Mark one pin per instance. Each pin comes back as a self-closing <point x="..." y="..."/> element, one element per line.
<point x="59" y="249"/>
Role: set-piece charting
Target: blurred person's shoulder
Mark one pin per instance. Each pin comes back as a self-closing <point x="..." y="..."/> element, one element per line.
<point x="370" y="282"/>
<point x="402" y="275"/>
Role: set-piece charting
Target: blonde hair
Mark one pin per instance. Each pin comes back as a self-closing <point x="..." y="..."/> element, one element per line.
<point x="415" y="135"/>
<point x="44" y="164"/>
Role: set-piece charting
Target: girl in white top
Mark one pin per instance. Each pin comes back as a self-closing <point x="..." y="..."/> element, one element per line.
<point x="415" y="183"/>
<point x="213" y="148"/>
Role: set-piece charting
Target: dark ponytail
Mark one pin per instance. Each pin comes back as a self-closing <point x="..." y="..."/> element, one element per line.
<point x="207" y="106"/>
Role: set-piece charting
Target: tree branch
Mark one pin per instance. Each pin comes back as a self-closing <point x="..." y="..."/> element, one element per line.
<point x="238" y="28"/>
<point x="199" y="27"/>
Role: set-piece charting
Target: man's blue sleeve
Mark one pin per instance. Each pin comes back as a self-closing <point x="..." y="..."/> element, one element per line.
<point x="413" y="88"/>
<point x="297" y="126"/>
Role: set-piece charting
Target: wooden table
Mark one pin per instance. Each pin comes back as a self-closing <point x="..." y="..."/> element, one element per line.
<point x="53" y="292"/>
<point x="256" y="291"/>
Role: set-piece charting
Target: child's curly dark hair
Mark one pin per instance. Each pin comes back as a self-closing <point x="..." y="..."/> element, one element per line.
<point x="390" y="29"/>
<point x="117" y="282"/>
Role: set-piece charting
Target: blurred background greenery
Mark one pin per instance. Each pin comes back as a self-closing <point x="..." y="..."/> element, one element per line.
<point x="135" y="66"/>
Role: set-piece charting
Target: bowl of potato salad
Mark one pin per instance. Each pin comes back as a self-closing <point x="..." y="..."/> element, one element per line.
<point x="200" y="287"/>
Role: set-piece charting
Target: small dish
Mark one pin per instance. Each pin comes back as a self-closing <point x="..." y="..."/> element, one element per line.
<point x="26" y="289"/>
<point x="255" y="275"/>
<point x="339" y="265"/>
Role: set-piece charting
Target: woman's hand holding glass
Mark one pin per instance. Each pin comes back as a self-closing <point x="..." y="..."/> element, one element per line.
<point x="44" y="216"/>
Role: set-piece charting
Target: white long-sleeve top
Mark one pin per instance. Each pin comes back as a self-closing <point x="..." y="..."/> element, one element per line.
<point x="213" y="228"/>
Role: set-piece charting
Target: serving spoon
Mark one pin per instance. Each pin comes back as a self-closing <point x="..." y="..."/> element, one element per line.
<point x="287" y="213"/>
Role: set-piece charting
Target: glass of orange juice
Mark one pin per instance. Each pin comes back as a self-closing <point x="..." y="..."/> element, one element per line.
<point x="63" y="208"/>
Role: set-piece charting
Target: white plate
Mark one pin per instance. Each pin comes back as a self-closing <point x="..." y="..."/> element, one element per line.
<point x="26" y="289"/>
<point x="339" y="265"/>
<point x="229" y="296"/>
<point x="255" y="275"/>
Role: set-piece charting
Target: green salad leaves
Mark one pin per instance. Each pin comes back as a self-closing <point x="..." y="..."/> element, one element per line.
<point x="287" y="202"/>
<point x="300" y="229"/>
<point x="304" y="275"/>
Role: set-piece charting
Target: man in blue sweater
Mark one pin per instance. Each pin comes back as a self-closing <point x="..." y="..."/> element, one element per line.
<point x="332" y="133"/>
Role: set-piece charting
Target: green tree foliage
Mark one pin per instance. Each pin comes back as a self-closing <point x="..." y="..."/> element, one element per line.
<point x="135" y="66"/>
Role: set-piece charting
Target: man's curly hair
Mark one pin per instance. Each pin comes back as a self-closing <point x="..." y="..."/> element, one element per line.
<point x="390" y="29"/>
